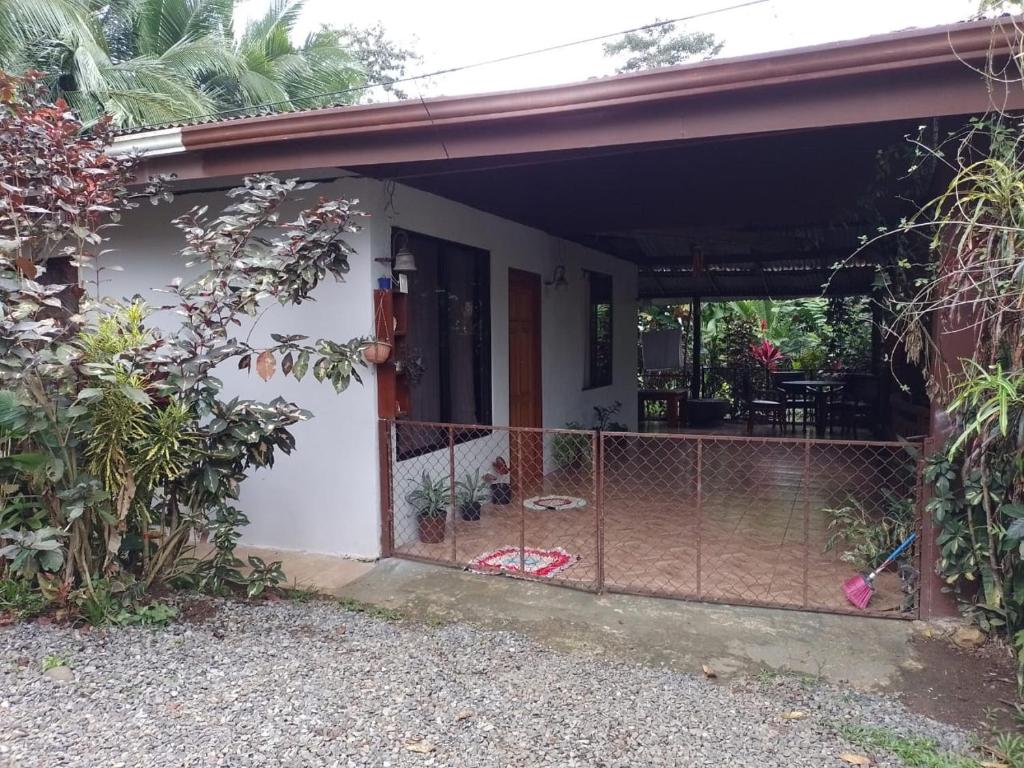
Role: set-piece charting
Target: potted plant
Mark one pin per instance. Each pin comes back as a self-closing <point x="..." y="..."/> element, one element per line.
<point x="431" y="500"/>
<point x="471" y="493"/>
<point x="571" y="450"/>
<point x="501" y="488"/>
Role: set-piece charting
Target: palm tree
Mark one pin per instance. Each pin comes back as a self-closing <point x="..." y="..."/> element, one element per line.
<point x="153" y="61"/>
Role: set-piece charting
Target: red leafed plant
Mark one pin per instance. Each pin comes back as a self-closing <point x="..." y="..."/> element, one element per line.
<point x="767" y="355"/>
<point x="501" y="470"/>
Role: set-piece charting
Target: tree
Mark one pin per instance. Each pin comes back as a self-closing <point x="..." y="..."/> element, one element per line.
<point x="382" y="59"/>
<point x="146" y="62"/>
<point x="661" y="46"/>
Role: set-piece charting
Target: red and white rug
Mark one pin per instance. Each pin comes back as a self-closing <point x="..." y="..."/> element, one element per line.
<point x="538" y="562"/>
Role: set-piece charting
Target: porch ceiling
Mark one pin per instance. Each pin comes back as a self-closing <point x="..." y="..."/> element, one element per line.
<point x="767" y="215"/>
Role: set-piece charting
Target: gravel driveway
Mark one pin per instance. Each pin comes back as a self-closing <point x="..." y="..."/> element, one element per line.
<point x="311" y="684"/>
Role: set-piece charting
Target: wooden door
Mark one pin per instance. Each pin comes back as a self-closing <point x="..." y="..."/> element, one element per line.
<point x="524" y="378"/>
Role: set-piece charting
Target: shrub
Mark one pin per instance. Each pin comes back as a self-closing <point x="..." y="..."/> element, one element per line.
<point x="117" y="447"/>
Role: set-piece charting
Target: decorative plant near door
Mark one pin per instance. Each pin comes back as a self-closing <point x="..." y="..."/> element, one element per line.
<point x="136" y="454"/>
<point x="499" y="478"/>
<point x="431" y="500"/>
<point x="471" y="493"/>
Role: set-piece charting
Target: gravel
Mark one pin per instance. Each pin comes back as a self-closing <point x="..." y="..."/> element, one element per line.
<point x="312" y="684"/>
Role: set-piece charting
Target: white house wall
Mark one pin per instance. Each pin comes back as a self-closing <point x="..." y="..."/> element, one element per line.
<point x="563" y="323"/>
<point x="325" y="497"/>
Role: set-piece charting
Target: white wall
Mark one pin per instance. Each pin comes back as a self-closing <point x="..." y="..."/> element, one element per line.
<point x="325" y="497"/>
<point x="563" y="322"/>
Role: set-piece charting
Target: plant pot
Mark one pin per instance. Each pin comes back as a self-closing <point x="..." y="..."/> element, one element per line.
<point x="384" y="283"/>
<point x="431" y="528"/>
<point x="377" y="352"/>
<point x="470" y="510"/>
<point x="501" y="493"/>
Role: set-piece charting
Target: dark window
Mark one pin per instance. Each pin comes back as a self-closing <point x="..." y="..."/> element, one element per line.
<point x="599" y="320"/>
<point x="448" y="340"/>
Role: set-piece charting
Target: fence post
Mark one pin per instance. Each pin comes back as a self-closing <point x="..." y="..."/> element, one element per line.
<point x="387" y="512"/>
<point x="806" y="487"/>
<point x="700" y="515"/>
<point x="597" y="454"/>
<point x="518" y="490"/>
<point x="451" y="493"/>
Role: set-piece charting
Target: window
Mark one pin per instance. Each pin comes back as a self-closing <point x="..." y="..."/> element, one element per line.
<point x="599" y="321"/>
<point x="448" y="340"/>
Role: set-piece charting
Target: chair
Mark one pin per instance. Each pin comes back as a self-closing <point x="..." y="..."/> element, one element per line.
<point x="793" y="400"/>
<point x="758" y="407"/>
<point x="857" y="404"/>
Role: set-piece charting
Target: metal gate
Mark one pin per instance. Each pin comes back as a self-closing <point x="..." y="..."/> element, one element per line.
<point x="742" y="520"/>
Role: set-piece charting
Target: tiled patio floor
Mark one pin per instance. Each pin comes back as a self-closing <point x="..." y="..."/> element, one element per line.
<point x="757" y="536"/>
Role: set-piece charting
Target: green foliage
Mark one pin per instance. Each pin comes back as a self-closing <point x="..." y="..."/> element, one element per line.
<point x="661" y="46"/>
<point x="432" y="497"/>
<point x="263" y="576"/>
<point x="117" y="450"/>
<point x="866" y="539"/>
<point x="472" y="489"/>
<point x="914" y="751"/>
<point x="571" y="449"/>
<point x="156" y="61"/>
<point x="19" y="599"/>
<point x="52" y="661"/>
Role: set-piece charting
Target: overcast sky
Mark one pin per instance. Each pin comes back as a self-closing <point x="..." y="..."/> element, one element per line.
<point x="452" y="33"/>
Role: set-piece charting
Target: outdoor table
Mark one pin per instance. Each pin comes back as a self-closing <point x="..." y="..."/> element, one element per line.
<point x="820" y="388"/>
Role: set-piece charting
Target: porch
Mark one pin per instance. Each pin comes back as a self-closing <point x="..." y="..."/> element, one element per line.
<point x="737" y="520"/>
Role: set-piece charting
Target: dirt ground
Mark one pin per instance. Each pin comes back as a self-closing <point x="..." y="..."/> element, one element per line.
<point x="974" y="690"/>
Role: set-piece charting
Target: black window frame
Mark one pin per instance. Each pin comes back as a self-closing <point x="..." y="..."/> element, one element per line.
<point x="600" y="292"/>
<point x="482" y="363"/>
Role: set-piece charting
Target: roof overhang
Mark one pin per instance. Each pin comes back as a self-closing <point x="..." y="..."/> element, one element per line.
<point x="905" y="75"/>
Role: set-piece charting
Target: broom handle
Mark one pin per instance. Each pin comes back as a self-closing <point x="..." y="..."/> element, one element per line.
<point x="895" y="553"/>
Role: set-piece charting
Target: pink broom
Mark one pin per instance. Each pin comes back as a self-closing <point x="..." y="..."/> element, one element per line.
<point x="860" y="588"/>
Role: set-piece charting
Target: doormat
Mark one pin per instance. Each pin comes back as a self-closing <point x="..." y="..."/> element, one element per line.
<point x="538" y="562"/>
<point x="555" y="502"/>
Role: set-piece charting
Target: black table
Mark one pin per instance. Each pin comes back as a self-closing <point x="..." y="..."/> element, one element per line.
<point x="821" y="389"/>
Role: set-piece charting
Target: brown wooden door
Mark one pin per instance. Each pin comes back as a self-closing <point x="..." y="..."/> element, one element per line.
<point x="524" y="378"/>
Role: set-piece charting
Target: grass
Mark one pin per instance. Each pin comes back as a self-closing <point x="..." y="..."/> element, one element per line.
<point x="770" y="675"/>
<point x="367" y="609"/>
<point x="52" y="662"/>
<point x="914" y="751"/>
<point x="20" y="600"/>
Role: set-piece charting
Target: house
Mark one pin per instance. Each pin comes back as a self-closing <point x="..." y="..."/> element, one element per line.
<point x="542" y="217"/>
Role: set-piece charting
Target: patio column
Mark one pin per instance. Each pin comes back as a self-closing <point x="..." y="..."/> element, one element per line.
<point x="695" y="356"/>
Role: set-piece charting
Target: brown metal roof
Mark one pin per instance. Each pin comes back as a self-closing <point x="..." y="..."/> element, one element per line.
<point x="896" y="76"/>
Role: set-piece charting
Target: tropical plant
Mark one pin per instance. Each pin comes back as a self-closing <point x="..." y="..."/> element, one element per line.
<point x="153" y="61"/>
<point x="767" y="355"/>
<point x="471" y="489"/>
<point x="865" y="537"/>
<point x="972" y="283"/>
<point x="119" y="449"/>
<point x="571" y="449"/>
<point x="431" y="498"/>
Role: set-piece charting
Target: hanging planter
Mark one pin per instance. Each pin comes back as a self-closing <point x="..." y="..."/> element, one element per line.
<point x="377" y="352"/>
<point x="378" y="349"/>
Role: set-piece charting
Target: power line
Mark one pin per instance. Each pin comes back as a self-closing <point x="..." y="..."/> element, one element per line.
<point x="464" y="67"/>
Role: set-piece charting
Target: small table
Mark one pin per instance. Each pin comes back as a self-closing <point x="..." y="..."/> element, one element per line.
<point x="821" y="389"/>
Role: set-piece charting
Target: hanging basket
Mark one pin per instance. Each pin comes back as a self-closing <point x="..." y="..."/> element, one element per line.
<point x="377" y="352"/>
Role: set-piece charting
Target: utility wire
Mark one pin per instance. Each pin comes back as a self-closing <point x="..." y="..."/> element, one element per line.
<point x="464" y="67"/>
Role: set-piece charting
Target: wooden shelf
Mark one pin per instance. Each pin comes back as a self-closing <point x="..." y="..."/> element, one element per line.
<point x="390" y="324"/>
